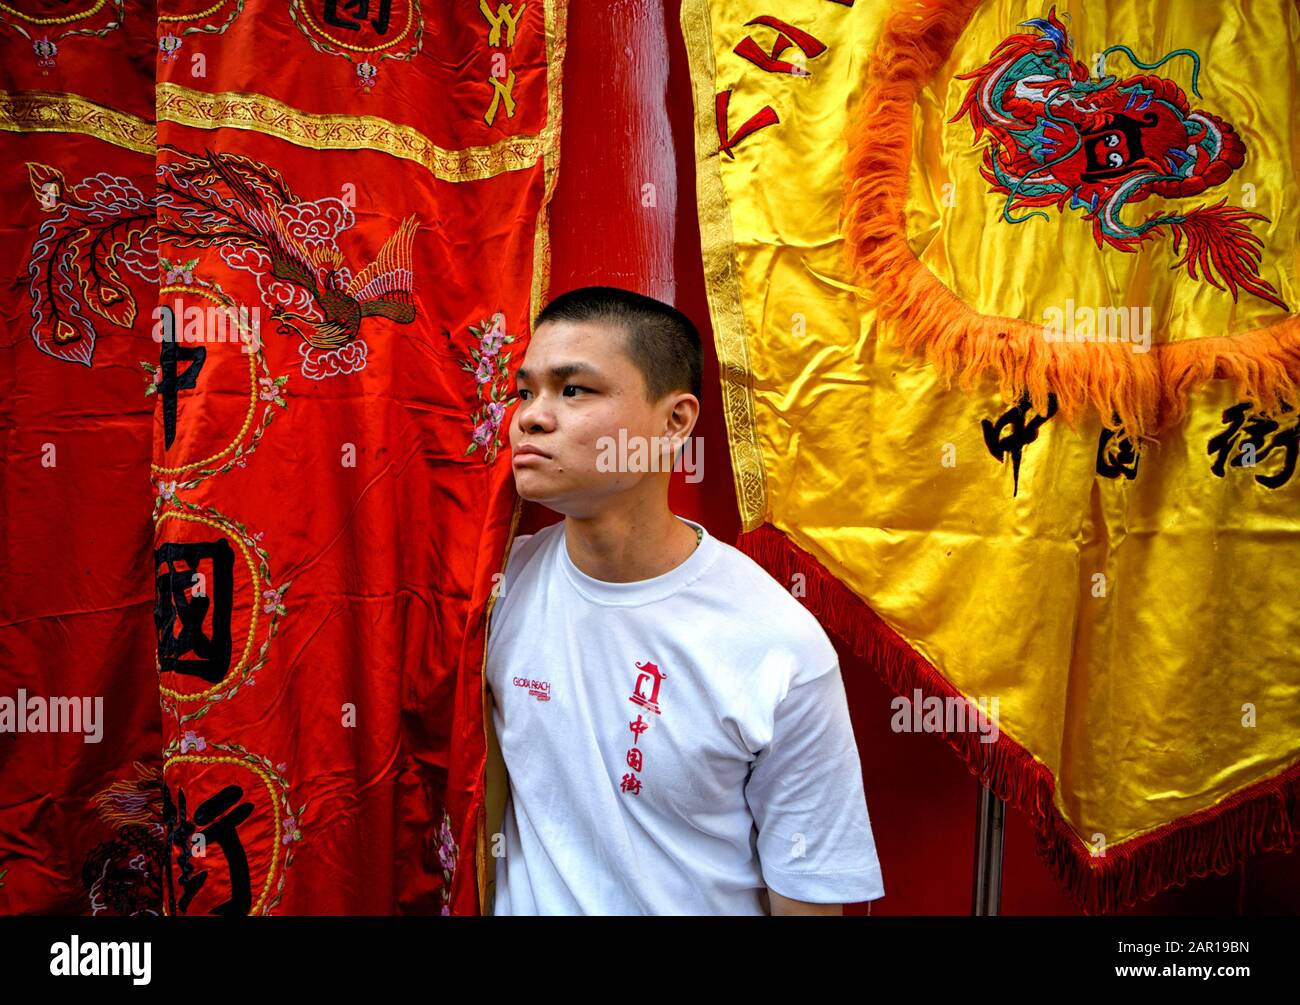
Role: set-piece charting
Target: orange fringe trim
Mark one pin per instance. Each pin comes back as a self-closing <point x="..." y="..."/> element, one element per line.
<point x="1148" y="392"/>
<point x="1263" y="817"/>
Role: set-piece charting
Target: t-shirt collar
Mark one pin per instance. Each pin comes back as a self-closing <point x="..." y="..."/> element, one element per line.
<point x="642" y="591"/>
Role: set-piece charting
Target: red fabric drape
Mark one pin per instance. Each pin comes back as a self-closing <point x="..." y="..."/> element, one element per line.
<point x="76" y="597"/>
<point x="309" y="308"/>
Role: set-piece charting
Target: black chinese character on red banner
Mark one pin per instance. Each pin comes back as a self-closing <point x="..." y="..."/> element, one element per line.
<point x="193" y="589"/>
<point x="217" y="820"/>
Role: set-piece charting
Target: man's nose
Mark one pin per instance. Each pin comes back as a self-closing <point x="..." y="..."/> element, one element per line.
<point x="534" y="412"/>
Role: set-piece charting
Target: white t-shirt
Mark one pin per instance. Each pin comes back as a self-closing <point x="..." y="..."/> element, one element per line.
<point x="673" y="745"/>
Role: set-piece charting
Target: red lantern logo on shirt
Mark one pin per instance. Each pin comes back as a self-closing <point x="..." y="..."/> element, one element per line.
<point x="652" y="677"/>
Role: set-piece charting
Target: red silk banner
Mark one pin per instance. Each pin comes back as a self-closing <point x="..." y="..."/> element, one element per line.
<point x="76" y="632"/>
<point x="348" y="241"/>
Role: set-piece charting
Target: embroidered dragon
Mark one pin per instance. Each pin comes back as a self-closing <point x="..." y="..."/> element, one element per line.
<point x="1058" y="136"/>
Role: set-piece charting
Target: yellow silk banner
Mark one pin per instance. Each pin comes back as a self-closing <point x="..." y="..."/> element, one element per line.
<point x="1003" y="296"/>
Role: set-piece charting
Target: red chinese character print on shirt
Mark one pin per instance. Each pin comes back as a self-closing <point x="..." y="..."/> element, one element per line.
<point x="648" y="680"/>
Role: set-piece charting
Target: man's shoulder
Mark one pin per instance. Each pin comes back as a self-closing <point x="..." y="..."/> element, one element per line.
<point x="520" y="567"/>
<point x="757" y="589"/>
<point x="524" y="546"/>
<point x="759" y="607"/>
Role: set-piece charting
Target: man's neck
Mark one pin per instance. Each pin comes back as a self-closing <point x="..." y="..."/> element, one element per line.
<point x="627" y="548"/>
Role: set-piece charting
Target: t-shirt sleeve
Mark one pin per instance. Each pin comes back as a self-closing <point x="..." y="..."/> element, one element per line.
<point x="806" y="795"/>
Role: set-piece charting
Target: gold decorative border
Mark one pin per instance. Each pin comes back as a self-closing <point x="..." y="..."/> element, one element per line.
<point x="721" y="278"/>
<point x="259" y="113"/>
<point x="95" y="8"/>
<point x="556" y="14"/>
<point x="556" y="44"/>
<point x="197" y="16"/>
<point x="63" y="112"/>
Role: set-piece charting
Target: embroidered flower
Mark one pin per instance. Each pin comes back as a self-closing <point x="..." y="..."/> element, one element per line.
<point x="489" y="361"/>
<point x="447" y="858"/>
<point x="494" y="338"/>
<point x="272" y="600"/>
<point x="45" y="51"/>
<point x="192" y="741"/>
<point x="169" y="45"/>
<point x="269" y="391"/>
<point x="180" y="271"/>
<point x="167" y="490"/>
<point x="291" y="832"/>
<point x="446" y="845"/>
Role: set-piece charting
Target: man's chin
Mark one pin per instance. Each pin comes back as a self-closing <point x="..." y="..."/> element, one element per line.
<point x="534" y="489"/>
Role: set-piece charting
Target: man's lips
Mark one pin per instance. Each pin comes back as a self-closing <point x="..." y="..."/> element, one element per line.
<point x="528" y="450"/>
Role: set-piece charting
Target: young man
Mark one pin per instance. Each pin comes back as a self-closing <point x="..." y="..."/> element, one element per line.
<point x="673" y="722"/>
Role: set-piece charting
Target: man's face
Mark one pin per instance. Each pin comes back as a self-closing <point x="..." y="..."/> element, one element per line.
<point x="576" y="386"/>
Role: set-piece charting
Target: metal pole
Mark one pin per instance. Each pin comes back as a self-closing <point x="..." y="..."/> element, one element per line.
<point x="986" y="897"/>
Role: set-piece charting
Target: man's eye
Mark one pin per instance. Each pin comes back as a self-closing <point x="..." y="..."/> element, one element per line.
<point x="575" y="387"/>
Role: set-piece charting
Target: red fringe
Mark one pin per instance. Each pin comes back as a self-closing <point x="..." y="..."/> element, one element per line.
<point x="1262" y="817"/>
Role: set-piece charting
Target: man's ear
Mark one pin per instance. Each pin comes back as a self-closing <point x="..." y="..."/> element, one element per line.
<point x="686" y="412"/>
